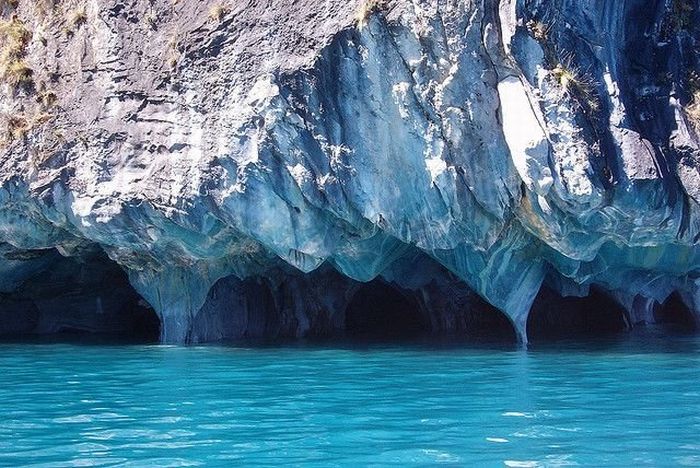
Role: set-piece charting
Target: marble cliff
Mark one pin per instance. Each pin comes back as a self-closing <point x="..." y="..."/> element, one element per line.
<point x="295" y="168"/>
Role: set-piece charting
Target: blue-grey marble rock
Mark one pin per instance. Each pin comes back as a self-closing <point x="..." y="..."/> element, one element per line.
<point x="281" y="154"/>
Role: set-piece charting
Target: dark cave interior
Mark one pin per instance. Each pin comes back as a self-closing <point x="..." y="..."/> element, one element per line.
<point x="90" y="296"/>
<point x="553" y="316"/>
<point x="75" y="297"/>
<point x="380" y="311"/>
<point x="675" y="314"/>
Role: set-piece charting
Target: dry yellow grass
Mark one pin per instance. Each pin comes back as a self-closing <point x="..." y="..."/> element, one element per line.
<point x="693" y="111"/>
<point x="575" y="82"/>
<point x="368" y="8"/>
<point x="14" y="37"/>
<point x="218" y="12"/>
<point x="77" y="18"/>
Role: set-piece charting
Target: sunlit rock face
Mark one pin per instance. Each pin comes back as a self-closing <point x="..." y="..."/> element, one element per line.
<point x="254" y="170"/>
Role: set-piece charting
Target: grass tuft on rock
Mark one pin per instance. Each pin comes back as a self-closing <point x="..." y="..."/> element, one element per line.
<point x="77" y="18"/>
<point x="218" y="12"/>
<point x="17" y="73"/>
<point x="14" y="37"/>
<point x="539" y="30"/>
<point x="16" y="128"/>
<point x="367" y="9"/>
<point x="576" y="83"/>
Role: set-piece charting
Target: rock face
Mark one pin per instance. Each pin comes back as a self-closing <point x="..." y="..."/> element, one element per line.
<point x="255" y="167"/>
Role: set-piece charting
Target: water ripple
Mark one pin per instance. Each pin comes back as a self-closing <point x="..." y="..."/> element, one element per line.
<point x="620" y="404"/>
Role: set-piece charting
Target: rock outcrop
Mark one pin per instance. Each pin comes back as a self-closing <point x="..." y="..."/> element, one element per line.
<point x="251" y="165"/>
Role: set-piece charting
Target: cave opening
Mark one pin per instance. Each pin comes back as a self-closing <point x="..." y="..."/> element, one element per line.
<point x="77" y="299"/>
<point x="674" y="314"/>
<point x="485" y="322"/>
<point x="237" y="309"/>
<point x="380" y="311"/>
<point x="553" y="316"/>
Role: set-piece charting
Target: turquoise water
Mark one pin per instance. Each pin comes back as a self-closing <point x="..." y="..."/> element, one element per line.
<point x="624" y="402"/>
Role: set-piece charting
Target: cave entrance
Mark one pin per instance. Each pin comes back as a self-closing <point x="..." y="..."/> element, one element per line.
<point x="485" y="322"/>
<point x="75" y="298"/>
<point x="675" y="314"/>
<point x="237" y="309"/>
<point x="553" y="316"/>
<point x="380" y="311"/>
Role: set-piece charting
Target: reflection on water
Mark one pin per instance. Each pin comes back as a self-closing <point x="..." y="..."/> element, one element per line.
<point x="624" y="401"/>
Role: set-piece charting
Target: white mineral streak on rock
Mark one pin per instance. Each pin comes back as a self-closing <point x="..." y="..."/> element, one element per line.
<point x="526" y="140"/>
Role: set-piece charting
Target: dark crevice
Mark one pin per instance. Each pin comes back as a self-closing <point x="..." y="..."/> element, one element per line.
<point x="380" y="311"/>
<point x="486" y="322"/>
<point x="675" y="314"/>
<point x="554" y="317"/>
<point x="76" y="298"/>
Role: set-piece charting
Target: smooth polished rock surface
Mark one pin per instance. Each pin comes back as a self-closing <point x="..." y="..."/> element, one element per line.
<point x="483" y="147"/>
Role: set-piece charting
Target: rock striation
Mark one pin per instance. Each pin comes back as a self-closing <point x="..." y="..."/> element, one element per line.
<point x="254" y="167"/>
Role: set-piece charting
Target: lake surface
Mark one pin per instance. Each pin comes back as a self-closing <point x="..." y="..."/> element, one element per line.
<point x="626" y="401"/>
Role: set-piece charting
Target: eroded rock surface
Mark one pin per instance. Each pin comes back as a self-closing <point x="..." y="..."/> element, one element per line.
<point x="250" y="165"/>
